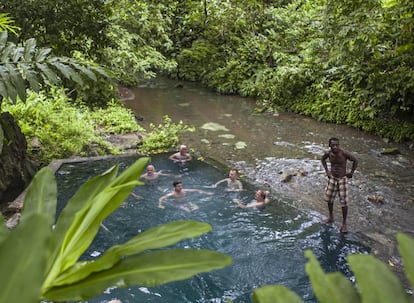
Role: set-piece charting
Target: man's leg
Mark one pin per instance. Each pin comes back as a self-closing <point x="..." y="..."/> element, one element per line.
<point x="343" y="198"/>
<point x="344" y="216"/>
<point x="330" y="193"/>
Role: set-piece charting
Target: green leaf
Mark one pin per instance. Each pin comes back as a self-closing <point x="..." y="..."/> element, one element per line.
<point x="157" y="237"/>
<point x="275" y="294"/>
<point x="29" y="49"/>
<point x="149" y="269"/>
<point x="67" y="71"/>
<point x="331" y="287"/>
<point x="3" y="230"/>
<point x="78" y="204"/>
<point x="49" y="74"/>
<point x="22" y="260"/>
<point x="406" y="248"/>
<point x="376" y="282"/>
<point x="86" y="222"/>
<point x="41" y="196"/>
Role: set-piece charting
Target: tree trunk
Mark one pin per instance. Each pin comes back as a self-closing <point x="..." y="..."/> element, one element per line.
<point x="16" y="169"/>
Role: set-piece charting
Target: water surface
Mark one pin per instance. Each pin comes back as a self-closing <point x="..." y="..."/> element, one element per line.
<point x="267" y="246"/>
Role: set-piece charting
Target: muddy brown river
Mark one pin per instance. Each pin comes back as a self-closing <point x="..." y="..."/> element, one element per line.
<point x="272" y="146"/>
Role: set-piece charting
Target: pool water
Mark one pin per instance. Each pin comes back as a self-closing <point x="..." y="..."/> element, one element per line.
<point x="267" y="245"/>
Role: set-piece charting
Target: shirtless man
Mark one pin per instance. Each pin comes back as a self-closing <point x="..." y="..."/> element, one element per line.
<point x="337" y="179"/>
<point x="179" y="193"/>
<point x="151" y="174"/>
<point x="261" y="199"/>
<point x="233" y="183"/>
<point x="182" y="155"/>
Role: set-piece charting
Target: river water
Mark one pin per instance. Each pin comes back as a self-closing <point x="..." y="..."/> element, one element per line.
<point x="268" y="146"/>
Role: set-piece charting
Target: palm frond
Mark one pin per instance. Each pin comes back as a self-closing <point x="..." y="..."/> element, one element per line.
<point x="26" y="66"/>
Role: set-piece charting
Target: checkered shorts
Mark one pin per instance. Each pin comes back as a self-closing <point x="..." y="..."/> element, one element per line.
<point x="337" y="185"/>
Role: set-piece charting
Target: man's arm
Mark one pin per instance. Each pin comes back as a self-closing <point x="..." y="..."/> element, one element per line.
<point x="325" y="166"/>
<point x="354" y="161"/>
<point x="161" y="200"/>
<point x="219" y="182"/>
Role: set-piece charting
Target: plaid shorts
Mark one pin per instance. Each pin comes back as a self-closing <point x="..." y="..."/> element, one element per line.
<point x="337" y="185"/>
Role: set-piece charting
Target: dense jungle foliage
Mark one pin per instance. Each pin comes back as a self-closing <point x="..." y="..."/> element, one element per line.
<point x="347" y="62"/>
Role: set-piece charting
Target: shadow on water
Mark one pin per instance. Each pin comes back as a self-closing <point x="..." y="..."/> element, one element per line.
<point x="267" y="245"/>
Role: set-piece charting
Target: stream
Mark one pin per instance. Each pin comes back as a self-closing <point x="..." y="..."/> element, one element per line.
<point x="284" y="149"/>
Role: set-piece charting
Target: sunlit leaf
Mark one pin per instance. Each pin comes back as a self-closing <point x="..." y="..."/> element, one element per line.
<point x="275" y="294"/>
<point x="376" y="283"/>
<point x="406" y="248"/>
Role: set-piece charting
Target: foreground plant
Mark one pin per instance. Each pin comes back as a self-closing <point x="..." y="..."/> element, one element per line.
<point x="41" y="262"/>
<point x="376" y="283"/>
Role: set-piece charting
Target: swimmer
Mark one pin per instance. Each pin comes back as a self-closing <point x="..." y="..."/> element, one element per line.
<point x="261" y="200"/>
<point x="233" y="183"/>
<point x="182" y="155"/>
<point x="151" y="174"/>
<point x="179" y="193"/>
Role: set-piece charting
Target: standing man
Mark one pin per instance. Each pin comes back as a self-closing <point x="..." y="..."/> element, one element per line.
<point x="337" y="179"/>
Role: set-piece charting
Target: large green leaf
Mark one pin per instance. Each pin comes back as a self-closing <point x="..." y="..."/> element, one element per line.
<point x="149" y="269"/>
<point x="79" y="228"/>
<point x="275" y="294"/>
<point x="41" y="196"/>
<point x="22" y="260"/>
<point x="156" y="237"/>
<point x="331" y="287"/>
<point x="376" y="283"/>
<point x="406" y="248"/>
<point x="80" y="201"/>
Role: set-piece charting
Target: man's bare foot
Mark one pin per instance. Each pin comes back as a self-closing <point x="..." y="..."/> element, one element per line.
<point x="343" y="229"/>
<point x="328" y="221"/>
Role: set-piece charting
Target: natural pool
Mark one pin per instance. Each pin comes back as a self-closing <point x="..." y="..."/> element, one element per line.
<point x="267" y="246"/>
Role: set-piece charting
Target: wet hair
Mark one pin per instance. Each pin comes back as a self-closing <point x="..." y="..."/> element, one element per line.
<point x="175" y="183"/>
<point x="333" y="139"/>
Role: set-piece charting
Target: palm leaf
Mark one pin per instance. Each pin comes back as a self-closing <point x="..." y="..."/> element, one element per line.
<point x="67" y="71"/>
<point x="16" y="80"/>
<point x="48" y="74"/>
<point x="29" y="50"/>
<point x="31" y="76"/>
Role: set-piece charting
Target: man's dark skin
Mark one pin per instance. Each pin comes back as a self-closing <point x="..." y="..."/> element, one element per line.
<point x="338" y="159"/>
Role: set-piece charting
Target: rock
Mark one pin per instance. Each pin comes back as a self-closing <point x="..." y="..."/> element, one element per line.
<point x="390" y="151"/>
<point x="286" y="177"/>
<point x="376" y="199"/>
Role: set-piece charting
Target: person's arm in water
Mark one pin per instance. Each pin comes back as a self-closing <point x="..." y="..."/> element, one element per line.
<point x="198" y="191"/>
<point x="219" y="182"/>
<point x="161" y="200"/>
